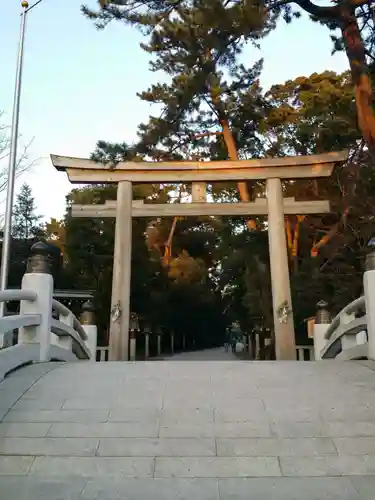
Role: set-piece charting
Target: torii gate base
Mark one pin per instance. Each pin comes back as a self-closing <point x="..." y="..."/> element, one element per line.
<point x="271" y="170"/>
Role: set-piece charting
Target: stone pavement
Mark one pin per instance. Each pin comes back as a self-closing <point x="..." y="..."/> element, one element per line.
<point x="217" y="354"/>
<point x="227" y="430"/>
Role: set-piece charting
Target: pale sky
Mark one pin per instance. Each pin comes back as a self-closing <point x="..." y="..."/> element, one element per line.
<point x="80" y="84"/>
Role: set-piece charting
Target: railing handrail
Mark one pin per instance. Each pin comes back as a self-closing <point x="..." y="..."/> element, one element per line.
<point x="62" y="330"/>
<point x="352" y="328"/>
<point x="60" y="308"/>
<point x="64" y="311"/>
<point x="18" y="295"/>
<point x="15" y="321"/>
<point x="351" y="308"/>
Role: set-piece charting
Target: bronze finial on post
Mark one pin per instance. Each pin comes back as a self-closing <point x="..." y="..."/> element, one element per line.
<point x="40" y="260"/>
<point x="323" y="316"/>
<point x="88" y="313"/>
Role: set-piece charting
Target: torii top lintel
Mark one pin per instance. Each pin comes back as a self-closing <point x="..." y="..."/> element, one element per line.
<point x="85" y="171"/>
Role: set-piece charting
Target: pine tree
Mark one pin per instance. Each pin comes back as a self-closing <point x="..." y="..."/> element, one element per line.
<point x="243" y="19"/>
<point x="26" y="223"/>
<point x="207" y="91"/>
<point x="198" y="46"/>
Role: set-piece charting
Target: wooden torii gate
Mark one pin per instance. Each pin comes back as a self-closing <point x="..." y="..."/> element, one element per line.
<point x="85" y="171"/>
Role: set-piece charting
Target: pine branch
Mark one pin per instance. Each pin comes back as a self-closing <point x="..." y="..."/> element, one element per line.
<point x="320" y="12"/>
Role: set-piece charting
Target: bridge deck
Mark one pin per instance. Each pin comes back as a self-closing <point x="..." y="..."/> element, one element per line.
<point x="224" y="430"/>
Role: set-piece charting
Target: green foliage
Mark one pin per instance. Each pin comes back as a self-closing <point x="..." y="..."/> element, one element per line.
<point x="26" y="230"/>
<point x="238" y="18"/>
<point x="319" y="112"/>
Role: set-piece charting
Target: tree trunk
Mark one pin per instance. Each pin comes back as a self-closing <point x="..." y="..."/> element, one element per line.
<point x="331" y="233"/>
<point x="213" y="84"/>
<point x="289" y="237"/>
<point x="355" y="51"/>
<point x="295" y="246"/>
<point x="233" y="155"/>
<point x="168" y="244"/>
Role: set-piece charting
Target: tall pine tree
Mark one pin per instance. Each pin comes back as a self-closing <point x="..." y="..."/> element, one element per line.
<point x="26" y="222"/>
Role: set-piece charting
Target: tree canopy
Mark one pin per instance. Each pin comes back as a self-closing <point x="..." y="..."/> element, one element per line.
<point x="218" y="271"/>
<point x="351" y="23"/>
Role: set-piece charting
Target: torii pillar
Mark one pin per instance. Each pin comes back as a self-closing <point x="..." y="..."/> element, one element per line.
<point x="121" y="280"/>
<point x="281" y="294"/>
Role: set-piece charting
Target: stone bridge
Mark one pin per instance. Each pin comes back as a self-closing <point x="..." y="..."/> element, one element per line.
<point x="186" y="430"/>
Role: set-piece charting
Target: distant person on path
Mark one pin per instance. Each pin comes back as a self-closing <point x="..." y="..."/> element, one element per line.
<point x="235" y="332"/>
<point x="227" y="339"/>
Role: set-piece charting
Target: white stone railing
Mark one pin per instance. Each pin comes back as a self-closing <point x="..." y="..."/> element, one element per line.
<point x="351" y="333"/>
<point x="346" y="336"/>
<point x="304" y="353"/>
<point x="47" y="330"/>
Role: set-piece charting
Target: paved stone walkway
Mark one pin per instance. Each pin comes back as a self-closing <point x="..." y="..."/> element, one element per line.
<point x="217" y="354"/>
<point x="227" y="430"/>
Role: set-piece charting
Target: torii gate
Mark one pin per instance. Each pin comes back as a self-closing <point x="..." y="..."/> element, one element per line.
<point x="85" y="171"/>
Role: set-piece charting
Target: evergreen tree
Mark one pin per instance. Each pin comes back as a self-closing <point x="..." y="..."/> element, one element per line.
<point x="206" y="97"/>
<point x="353" y="19"/>
<point x="26" y="222"/>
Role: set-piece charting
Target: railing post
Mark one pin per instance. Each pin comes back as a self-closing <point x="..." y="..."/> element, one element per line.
<point x="322" y="321"/>
<point x="103" y="353"/>
<point x="133" y="328"/>
<point x="133" y="344"/>
<point x="87" y="320"/>
<point x="147" y="332"/>
<point x="172" y="341"/>
<point x="300" y="353"/>
<point x="158" y="333"/>
<point x="257" y="343"/>
<point x="369" y="288"/>
<point x="311" y="353"/>
<point x="39" y="279"/>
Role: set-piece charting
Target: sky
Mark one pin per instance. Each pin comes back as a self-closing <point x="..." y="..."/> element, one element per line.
<point x="79" y="84"/>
